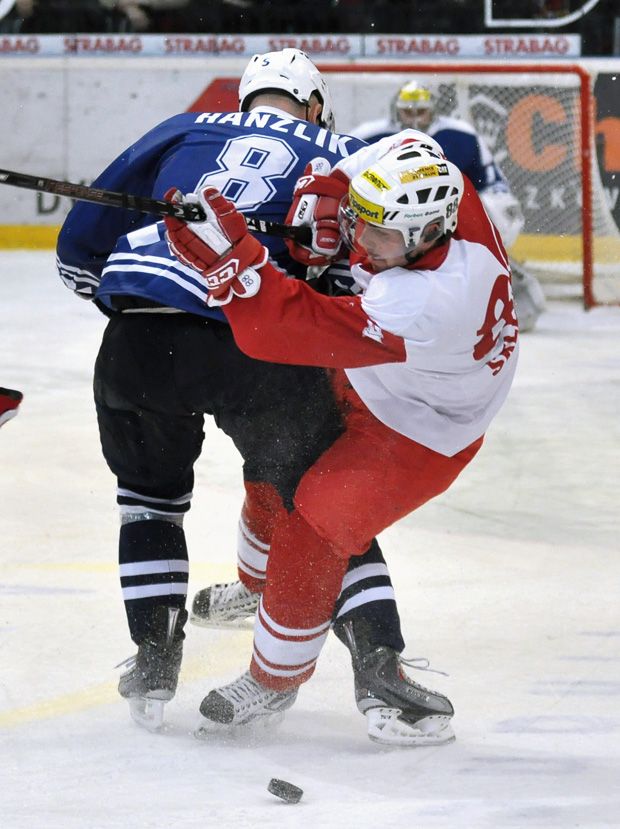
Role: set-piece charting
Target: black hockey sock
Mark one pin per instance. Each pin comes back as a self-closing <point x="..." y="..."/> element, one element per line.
<point x="154" y="571"/>
<point x="367" y="604"/>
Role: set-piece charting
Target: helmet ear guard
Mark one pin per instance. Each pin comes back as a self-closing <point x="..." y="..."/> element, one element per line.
<point x="289" y="71"/>
<point x="434" y="230"/>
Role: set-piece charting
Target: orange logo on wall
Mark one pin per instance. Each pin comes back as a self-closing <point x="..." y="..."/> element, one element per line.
<point x="520" y="132"/>
<point x="609" y="130"/>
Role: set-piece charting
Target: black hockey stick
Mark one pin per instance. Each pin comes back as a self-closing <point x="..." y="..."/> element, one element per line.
<point x="183" y="210"/>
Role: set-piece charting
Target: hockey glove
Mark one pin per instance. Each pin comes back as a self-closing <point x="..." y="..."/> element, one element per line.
<point x="220" y="248"/>
<point x="9" y="402"/>
<point x="317" y="197"/>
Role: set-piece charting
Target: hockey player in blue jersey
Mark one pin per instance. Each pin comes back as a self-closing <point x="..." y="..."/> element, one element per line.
<point x="414" y="107"/>
<point x="167" y="358"/>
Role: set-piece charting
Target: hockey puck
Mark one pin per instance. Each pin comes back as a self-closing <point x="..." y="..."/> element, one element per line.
<point x="284" y="790"/>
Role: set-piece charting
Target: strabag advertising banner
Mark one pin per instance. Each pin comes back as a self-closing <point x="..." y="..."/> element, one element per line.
<point x="411" y="47"/>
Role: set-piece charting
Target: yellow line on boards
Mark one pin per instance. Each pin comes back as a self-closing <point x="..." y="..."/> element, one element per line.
<point x="29" y="237"/>
<point x="538" y="247"/>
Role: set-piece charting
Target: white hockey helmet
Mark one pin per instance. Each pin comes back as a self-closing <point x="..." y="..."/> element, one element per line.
<point x="410" y="189"/>
<point x="414" y="105"/>
<point x="290" y="71"/>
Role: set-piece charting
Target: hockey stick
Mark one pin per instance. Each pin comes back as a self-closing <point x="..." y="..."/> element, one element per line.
<point x="183" y="210"/>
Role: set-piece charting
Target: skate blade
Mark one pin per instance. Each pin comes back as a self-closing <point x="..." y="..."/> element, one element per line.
<point x="148" y="713"/>
<point x="245" y="623"/>
<point x="208" y="729"/>
<point x="385" y="728"/>
<point x="6" y="416"/>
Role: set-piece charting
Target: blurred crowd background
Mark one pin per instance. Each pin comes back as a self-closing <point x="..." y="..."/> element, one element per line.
<point x="599" y="28"/>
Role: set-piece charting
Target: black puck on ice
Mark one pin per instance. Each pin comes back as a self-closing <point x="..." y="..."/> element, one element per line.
<point x="285" y="791"/>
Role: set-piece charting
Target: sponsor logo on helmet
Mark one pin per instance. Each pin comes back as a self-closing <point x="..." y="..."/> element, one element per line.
<point x="430" y="171"/>
<point x="375" y="180"/>
<point x="364" y="208"/>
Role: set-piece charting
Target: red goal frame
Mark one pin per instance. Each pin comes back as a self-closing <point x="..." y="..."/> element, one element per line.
<point x="586" y="131"/>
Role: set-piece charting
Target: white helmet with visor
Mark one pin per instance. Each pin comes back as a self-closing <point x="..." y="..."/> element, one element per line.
<point x="412" y="190"/>
<point x="290" y="71"/>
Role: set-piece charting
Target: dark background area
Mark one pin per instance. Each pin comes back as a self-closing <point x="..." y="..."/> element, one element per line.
<point x="306" y="16"/>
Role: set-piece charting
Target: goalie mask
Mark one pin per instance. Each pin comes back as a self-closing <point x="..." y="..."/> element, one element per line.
<point x="290" y="71"/>
<point x="411" y="194"/>
<point x="414" y="106"/>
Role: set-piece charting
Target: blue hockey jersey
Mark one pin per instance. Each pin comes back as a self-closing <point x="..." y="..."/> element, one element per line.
<point x="254" y="158"/>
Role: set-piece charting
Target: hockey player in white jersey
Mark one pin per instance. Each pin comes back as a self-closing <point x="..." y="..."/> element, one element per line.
<point x="423" y="359"/>
<point x="414" y="107"/>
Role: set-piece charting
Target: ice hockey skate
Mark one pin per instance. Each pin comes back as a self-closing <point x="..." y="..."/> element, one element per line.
<point x="224" y="606"/>
<point x="398" y="710"/>
<point x="241" y="704"/>
<point x="151" y="676"/>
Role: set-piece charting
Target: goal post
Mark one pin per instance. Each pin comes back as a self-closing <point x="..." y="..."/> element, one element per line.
<point x="538" y="121"/>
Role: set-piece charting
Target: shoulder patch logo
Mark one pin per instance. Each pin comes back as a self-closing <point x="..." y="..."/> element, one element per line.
<point x="373" y="332"/>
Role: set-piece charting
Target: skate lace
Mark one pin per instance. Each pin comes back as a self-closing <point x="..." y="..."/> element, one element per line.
<point x="128" y="663"/>
<point x="248" y="693"/>
<point x="234" y="591"/>
<point x="425" y="665"/>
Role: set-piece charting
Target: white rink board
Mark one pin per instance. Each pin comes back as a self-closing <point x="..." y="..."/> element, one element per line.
<point x="68" y="118"/>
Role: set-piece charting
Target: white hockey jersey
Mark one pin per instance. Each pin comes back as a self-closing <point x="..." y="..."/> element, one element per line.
<point x="449" y="387"/>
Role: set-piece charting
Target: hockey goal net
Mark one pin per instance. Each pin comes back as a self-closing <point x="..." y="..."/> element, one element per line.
<point x="538" y="122"/>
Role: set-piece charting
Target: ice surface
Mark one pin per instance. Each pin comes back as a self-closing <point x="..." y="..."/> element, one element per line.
<point x="509" y="582"/>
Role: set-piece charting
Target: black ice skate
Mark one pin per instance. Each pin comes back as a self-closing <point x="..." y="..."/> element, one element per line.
<point x="224" y="605"/>
<point x="399" y="711"/>
<point x="243" y="702"/>
<point x="152" y="674"/>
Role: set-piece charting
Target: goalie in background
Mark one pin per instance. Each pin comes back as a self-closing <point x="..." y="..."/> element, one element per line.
<point x="414" y="107"/>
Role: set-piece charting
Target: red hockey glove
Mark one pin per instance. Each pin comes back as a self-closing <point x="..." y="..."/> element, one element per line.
<point x="9" y="402"/>
<point x="220" y="248"/>
<point x="317" y="197"/>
